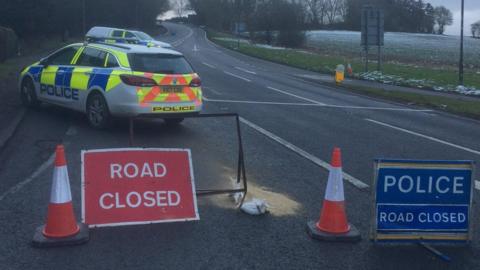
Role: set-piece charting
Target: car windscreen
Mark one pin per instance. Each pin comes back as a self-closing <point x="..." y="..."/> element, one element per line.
<point x="143" y="36"/>
<point x="159" y="63"/>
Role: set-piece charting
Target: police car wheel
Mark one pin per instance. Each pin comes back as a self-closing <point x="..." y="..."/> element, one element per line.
<point x="97" y="111"/>
<point x="173" y="121"/>
<point x="28" y="96"/>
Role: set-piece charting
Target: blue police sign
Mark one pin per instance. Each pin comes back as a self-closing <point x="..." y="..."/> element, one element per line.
<point x="422" y="200"/>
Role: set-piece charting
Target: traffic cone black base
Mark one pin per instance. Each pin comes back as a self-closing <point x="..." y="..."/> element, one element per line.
<point x="353" y="235"/>
<point x="40" y="241"/>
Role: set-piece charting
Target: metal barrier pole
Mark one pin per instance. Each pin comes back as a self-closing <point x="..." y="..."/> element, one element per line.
<point x="241" y="171"/>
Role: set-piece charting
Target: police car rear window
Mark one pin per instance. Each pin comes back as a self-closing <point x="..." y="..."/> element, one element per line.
<point x="159" y="63"/>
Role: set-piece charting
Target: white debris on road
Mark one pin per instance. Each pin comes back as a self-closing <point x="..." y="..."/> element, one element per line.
<point x="255" y="207"/>
<point x="238" y="196"/>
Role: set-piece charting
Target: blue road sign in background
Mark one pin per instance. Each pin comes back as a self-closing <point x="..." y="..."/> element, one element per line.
<point x="423" y="199"/>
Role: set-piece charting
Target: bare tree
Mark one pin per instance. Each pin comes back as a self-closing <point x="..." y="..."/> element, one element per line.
<point x="475" y="28"/>
<point x="343" y="9"/>
<point x="316" y="10"/>
<point x="180" y="7"/>
<point x="443" y="17"/>
<point x="335" y="9"/>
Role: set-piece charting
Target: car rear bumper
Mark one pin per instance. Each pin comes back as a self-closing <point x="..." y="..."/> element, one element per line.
<point x="124" y="102"/>
<point x="155" y="109"/>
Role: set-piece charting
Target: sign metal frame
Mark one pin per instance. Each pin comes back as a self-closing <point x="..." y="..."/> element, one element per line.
<point x="241" y="171"/>
<point x="417" y="235"/>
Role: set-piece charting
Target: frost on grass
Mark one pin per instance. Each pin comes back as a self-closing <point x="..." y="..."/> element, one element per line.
<point x="404" y="47"/>
<point x="231" y="39"/>
<point x="467" y="90"/>
<point x="422" y="84"/>
<point x="269" y="47"/>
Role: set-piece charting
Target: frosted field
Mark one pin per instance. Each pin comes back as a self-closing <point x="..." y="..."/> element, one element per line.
<point x="421" y="49"/>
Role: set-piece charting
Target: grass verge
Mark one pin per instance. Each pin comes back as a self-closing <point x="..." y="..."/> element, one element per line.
<point x="468" y="108"/>
<point x="413" y="76"/>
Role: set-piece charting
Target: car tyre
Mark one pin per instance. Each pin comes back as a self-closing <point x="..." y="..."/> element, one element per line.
<point x="98" y="114"/>
<point x="173" y="121"/>
<point x="28" y="95"/>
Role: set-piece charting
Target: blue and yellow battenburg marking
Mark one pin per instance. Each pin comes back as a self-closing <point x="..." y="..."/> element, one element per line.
<point x="66" y="82"/>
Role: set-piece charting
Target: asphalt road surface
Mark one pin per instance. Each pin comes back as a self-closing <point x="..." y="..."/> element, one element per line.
<point x="289" y="127"/>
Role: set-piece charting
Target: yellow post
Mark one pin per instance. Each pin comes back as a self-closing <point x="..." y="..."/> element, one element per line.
<point x="339" y="74"/>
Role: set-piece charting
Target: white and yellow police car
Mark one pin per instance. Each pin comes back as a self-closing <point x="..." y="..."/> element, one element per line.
<point x="105" y="80"/>
<point x="117" y="35"/>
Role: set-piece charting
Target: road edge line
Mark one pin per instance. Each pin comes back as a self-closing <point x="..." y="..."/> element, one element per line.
<point x="352" y="180"/>
<point x="472" y="151"/>
<point x="29" y="179"/>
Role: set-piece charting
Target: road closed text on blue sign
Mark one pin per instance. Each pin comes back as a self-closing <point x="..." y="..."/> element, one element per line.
<point x="422" y="200"/>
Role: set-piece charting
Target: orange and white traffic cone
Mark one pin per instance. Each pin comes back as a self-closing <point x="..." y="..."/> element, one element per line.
<point x="349" y="70"/>
<point x="333" y="224"/>
<point x="61" y="227"/>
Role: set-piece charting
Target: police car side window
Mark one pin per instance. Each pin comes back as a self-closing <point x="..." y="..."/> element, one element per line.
<point x="63" y="57"/>
<point x="111" y="61"/>
<point x="92" y="58"/>
<point x="129" y="35"/>
<point x="117" y="33"/>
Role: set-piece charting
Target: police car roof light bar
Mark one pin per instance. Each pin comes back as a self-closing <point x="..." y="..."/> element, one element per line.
<point x="105" y="43"/>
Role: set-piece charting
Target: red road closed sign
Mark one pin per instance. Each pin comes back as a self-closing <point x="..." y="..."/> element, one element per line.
<point x="137" y="186"/>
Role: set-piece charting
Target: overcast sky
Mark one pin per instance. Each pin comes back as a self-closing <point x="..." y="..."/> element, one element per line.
<point x="472" y="14"/>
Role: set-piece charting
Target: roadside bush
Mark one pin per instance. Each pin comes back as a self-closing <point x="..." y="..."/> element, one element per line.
<point x="291" y="38"/>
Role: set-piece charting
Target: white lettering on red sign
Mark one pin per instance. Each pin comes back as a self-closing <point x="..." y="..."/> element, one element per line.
<point x="134" y="186"/>
<point x="135" y="199"/>
<point x="132" y="170"/>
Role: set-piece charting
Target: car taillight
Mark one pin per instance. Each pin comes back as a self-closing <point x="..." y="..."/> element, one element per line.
<point x="137" y="81"/>
<point x="196" y="82"/>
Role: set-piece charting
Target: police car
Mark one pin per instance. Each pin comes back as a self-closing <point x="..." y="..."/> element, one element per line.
<point x="105" y="80"/>
<point x="116" y="35"/>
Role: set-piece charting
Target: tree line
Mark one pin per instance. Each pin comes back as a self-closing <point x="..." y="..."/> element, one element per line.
<point x="475" y="28"/>
<point x="415" y="16"/>
<point x="265" y="20"/>
<point x="30" y="18"/>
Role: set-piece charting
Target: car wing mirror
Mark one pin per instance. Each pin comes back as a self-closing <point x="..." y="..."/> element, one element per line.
<point x="44" y="62"/>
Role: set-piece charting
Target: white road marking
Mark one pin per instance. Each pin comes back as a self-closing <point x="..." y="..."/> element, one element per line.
<point x="246" y="70"/>
<point x="425" y="137"/>
<point x="313" y="105"/>
<point x="377" y="108"/>
<point x="213" y="90"/>
<point x="236" y="76"/>
<point x="293" y="95"/>
<point x="208" y="65"/>
<point x="209" y="41"/>
<point x="354" y="181"/>
<point x="195" y="49"/>
<point x="477" y="184"/>
<point x="180" y="41"/>
<point x="258" y="102"/>
<point x="32" y="177"/>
